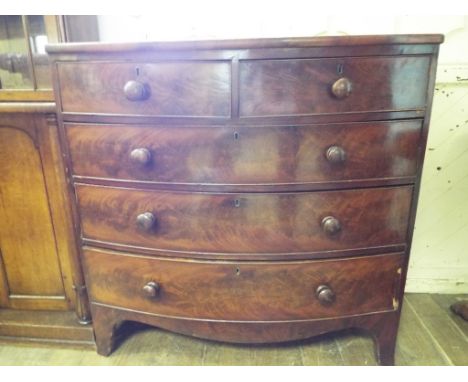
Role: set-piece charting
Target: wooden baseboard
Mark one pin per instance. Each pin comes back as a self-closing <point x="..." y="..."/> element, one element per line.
<point x="54" y="327"/>
<point x="436" y="285"/>
<point x="437" y="279"/>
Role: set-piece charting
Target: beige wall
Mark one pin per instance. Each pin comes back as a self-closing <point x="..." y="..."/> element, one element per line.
<point x="439" y="257"/>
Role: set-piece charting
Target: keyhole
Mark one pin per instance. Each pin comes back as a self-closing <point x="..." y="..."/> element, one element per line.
<point x="236" y="135"/>
<point x="137" y="70"/>
<point x="339" y="68"/>
<point x="237" y="203"/>
<point x="237" y="271"/>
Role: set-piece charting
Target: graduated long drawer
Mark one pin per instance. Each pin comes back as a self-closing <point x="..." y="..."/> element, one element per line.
<point x="245" y="223"/>
<point x="246" y="155"/>
<point x="252" y="291"/>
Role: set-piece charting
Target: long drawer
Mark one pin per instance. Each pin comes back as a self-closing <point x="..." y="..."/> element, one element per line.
<point x="244" y="290"/>
<point x="338" y="85"/>
<point x="246" y="155"/>
<point x="246" y="222"/>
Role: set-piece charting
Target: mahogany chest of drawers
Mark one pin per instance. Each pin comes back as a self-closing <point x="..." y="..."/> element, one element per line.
<point x="247" y="190"/>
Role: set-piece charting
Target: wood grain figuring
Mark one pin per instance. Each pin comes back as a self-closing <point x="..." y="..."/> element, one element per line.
<point x="28" y="247"/>
<point x="285" y="87"/>
<point x="245" y="223"/>
<point x="245" y="154"/>
<point x="264" y="167"/>
<point x="267" y="291"/>
<point x="174" y="88"/>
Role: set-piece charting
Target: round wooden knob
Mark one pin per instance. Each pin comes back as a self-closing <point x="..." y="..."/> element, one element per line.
<point x="151" y="289"/>
<point x="140" y="156"/>
<point x="136" y="91"/>
<point x="146" y="221"/>
<point x="325" y="295"/>
<point x="342" y="88"/>
<point x="335" y="154"/>
<point x="331" y="225"/>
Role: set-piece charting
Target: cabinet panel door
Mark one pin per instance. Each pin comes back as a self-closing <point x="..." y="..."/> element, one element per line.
<point x="30" y="272"/>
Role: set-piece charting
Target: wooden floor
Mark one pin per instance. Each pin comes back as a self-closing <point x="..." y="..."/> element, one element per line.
<point x="430" y="334"/>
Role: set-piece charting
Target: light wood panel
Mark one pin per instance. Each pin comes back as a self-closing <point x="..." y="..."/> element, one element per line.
<point x="39" y="266"/>
<point x="29" y="252"/>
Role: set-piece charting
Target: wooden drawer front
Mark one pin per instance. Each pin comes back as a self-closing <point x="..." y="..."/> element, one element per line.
<point x="246" y="155"/>
<point x="284" y="87"/>
<point x="245" y="223"/>
<point x="170" y="88"/>
<point x="243" y="290"/>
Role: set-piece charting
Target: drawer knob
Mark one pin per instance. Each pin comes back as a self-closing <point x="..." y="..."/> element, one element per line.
<point x="151" y="289"/>
<point x="335" y="154"/>
<point x="342" y="88"/>
<point x="331" y="225"/>
<point x="325" y="295"/>
<point x="146" y="221"/>
<point x="140" y="156"/>
<point x="136" y="91"/>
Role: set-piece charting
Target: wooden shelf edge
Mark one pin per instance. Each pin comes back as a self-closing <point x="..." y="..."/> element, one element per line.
<point x="60" y="327"/>
<point x="28" y="107"/>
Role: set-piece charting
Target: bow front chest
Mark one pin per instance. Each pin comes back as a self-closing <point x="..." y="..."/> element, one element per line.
<point x="249" y="191"/>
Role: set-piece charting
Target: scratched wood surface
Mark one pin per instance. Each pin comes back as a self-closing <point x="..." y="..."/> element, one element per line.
<point x="430" y="334"/>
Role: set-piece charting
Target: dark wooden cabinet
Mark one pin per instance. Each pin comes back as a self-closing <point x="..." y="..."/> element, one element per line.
<point x="248" y="190"/>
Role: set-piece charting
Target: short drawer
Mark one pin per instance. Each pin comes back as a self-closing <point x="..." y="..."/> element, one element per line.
<point x="159" y="89"/>
<point x="245" y="223"/>
<point x="258" y="155"/>
<point x="338" y="85"/>
<point x="254" y="291"/>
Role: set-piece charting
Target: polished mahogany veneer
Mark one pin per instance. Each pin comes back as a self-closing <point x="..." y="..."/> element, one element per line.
<point x="246" y="155"/>
<point x="163" y="88"/>
<point x="245" y="290"/>
<point x="273" y="222"/>
<point x="250" y="191"/>
<point x="284" y="87"/>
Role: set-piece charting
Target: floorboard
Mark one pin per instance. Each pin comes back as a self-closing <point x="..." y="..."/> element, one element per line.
<point x="445" y="301"/>
<point x="415" y="345"/>
<point x="322" y="351"/>
<point x="441" y="327"/>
